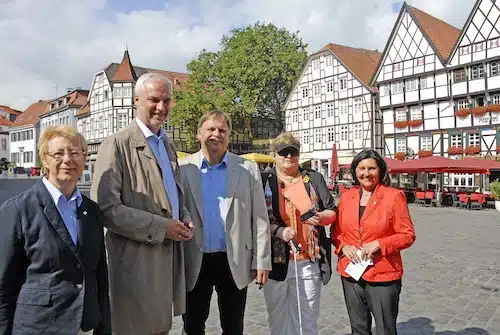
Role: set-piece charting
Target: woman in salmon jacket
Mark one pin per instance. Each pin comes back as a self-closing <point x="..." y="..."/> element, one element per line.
<point x="373" y="224"/>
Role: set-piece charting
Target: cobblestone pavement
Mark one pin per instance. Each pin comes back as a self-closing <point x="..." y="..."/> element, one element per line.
<point x="451" y="284"/>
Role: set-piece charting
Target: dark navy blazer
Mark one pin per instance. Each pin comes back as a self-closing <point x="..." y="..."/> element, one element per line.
<point x="47" y="284"/>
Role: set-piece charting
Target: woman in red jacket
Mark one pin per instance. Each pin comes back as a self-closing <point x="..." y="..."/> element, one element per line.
<point x="373" y="223"/>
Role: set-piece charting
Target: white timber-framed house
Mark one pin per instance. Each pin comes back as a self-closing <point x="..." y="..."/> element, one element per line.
<point x="333" y="103"/>
<point x="110" y="105"/>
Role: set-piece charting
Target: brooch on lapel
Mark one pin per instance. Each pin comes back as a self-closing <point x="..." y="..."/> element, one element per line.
<point x="84" y="212"/>
<point x="305" y="179"/>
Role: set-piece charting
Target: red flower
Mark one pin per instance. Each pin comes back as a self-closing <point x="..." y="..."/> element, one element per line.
<point x="401" y="124"/>
<point x="400" y="156"/>
<point x="472" y="150"/>
<point x="480" y="110"/>
<point x="462" y="112"/>
<point x="493" y="108"/>
<point x="424" y="153"/>
<point x="455" y="151"/>
<point x="415" y="123"/>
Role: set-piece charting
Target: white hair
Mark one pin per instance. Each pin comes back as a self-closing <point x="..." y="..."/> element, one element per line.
<point x="150" y="77"/>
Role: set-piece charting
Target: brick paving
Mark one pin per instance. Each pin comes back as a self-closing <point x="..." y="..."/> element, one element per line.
<point x="451" y="284"/>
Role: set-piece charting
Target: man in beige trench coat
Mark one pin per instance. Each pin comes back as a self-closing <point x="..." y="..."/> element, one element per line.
<point x="138" y="187"/>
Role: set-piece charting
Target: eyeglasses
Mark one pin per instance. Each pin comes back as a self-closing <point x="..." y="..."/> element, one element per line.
<point x="289" y="151"/>
<point x="60" y="154"/>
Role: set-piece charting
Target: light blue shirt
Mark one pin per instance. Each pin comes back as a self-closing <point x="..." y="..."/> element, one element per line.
<point x="157" y="145"/>
<point x="67" y="208"/>
<point x="214" y="194"/>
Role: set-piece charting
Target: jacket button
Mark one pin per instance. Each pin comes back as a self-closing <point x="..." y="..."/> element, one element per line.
<point x="79" y="286"/>
<point x="150" y="238"/>
<point x="78" y="265"/>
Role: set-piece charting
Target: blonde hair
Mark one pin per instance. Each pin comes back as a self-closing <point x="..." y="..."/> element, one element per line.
<point x="216" y="115"/>
<point x="285" y="138"/>
<point x="65" y="131"/>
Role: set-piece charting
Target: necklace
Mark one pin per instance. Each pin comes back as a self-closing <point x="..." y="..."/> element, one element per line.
<point x="287" y="178"/>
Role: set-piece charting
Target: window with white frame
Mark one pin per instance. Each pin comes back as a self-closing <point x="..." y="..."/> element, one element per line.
<point x="465" y="50"/>
<point x="385" y="90"/>
<point x="494" y="69"/>
<point x="305" y="92"/>
<point x="494" y="43"/>
<point x="317" y="136"/>
<point x="401" y="115"/>
<point x="396" y="67"/>
<point x="358" y="131"/>
<point x="411" y="85"/>
<point x="358" y="105"/>
<point x="117" y="92"/>
<point x="343" y="83"/>
<point x="478" y="47"/>
<point x="416" y="113"/>
<point x="305" y="114"/>
<point x="101" y="123"/>
<point x="122" y="121"/>
<point x="397" y="87"/>
<point x="317" y="89"/>
<point x="329" y="110"/>
<point x="295" y="116"/>
<point x="328" y="60"/>
<point x="344" y="131"/>
<point x="316" y="64"/>
<point x="420" y="61"/>
<point x="305" y="139"/>
<point x="317" y="112"/>
<point x="343" y="107"/>
<point x="456" y="140"/>
<point x="474" y="140"/>
<point x="426" y="143"/>
<point x="329" y="86"/>
<point x="495" y="99"/>
<point x="459" y="75"/>
<point x="462" y="104"/>
<point x="423" y="83"/>
<point x="401" y="145"/>
<point x="477" y="71"/>
<point x="331" y="134"/>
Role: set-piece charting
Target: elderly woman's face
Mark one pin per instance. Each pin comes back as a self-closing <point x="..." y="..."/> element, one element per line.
<point x="287" y="159"/>
<point x="65" y="160"/>
<point x="368" y="173"/>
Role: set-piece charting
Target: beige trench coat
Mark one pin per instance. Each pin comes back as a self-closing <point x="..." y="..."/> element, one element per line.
<point x="147" y="275"/>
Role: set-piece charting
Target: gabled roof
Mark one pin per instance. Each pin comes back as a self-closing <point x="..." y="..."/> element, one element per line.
<point x="84" y="110"/>
<point x="5" y="122"/>
<point x="10" y="110"/>
<point x="442" y="34"/>
<point x="31" y="115"/>
<point x="125" y="70"/>
<point x="361" y="62"/>
<point x="77" y="98"/>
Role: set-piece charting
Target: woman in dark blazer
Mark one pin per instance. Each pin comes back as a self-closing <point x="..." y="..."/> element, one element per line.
<point x="300" y="207"/>
<point x="373" y="224"/>
<point x="53" y="273"/>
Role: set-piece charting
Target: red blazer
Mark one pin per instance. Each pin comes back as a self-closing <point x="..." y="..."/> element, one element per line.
<point x="386" y="219"/>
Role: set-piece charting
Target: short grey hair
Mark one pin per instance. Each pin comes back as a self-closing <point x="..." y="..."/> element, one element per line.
<point x="147" y="78"/>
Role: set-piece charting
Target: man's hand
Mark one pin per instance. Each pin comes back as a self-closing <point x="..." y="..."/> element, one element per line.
<point x="369" y="249"/>
<point x="262" y="276"/>
<point x="177" y="230"/>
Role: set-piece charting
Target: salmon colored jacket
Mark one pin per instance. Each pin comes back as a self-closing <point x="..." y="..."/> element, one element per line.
<point x="386" y="218"/>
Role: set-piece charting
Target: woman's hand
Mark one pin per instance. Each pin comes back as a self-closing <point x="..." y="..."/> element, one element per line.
<point x="286" y="234"/>
<point x="369" y="249"/>
<point x="323" y="218"/>
<point x="350" y="252"/>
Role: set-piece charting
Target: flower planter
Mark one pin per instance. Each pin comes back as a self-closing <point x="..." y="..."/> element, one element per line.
<point x="415" y="123"/>
<point x="401" y="124"/>
<point x="472" y="150"/>
<point x="424" y="153"/>
<point x="493" y="108"/>
<point x="400" y="156"/>
<point x="498" y="149"/>
<point x="479" y="111"/>
<point x="455" y="151"/>
<point x="462" y="113"/>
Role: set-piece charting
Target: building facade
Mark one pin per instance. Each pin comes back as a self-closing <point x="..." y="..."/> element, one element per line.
<point x="63" y="109"/>
<point x="332" y="102"/>
<point x="24" y="134"/>
<point x="439" y="89"/>
<point x="7" y="117"/>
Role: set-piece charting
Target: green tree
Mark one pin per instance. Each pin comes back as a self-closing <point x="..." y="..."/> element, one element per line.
<point x="250" y="75"/>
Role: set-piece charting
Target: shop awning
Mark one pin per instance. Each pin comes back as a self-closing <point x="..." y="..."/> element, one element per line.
<point x="439" y="164"/>
<point x="259" y="158"/>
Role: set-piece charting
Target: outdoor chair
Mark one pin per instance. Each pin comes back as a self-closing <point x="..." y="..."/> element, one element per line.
<point x="476" y="201"/>
<point x="464" y="201"/>
<point x="429" y="198"/>
<point x="456" y="202"/>
<point x="420" y="198"/>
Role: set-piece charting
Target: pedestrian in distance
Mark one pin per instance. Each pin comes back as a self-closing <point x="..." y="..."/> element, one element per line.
<point x="231" y="244"/>
<point x="53" y="270"/>
<point x="138" y="186"/>
<point x="373" y="226"/>
<point x="300" y="208"/>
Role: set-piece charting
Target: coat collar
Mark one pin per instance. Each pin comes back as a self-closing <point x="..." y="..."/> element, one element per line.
<point x="373" y="203"/>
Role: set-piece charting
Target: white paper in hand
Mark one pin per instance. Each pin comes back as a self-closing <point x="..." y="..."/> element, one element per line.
<point x="357" y="270"/>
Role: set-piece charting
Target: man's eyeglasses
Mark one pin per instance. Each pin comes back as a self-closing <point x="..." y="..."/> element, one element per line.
<point x="289" y="151"/>
<point x="60" y="154"/>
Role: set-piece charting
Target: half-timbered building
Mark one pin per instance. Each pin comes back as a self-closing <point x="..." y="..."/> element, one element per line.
<point x="332" y="102"/>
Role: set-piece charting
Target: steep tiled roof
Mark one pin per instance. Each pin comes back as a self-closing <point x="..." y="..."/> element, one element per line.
<point x="4" y="121"/>
<point x="77" y="98"/>
<point x="84" y="110"/>
<point x="30" y="115"/>
<point x="441" y="34"/>
<point x="361" y="62"/>
<point x="10" y="110"/>
<point x="125" y="71"/>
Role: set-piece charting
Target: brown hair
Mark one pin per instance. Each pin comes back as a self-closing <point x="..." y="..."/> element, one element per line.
<point x="216" y="115"/>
